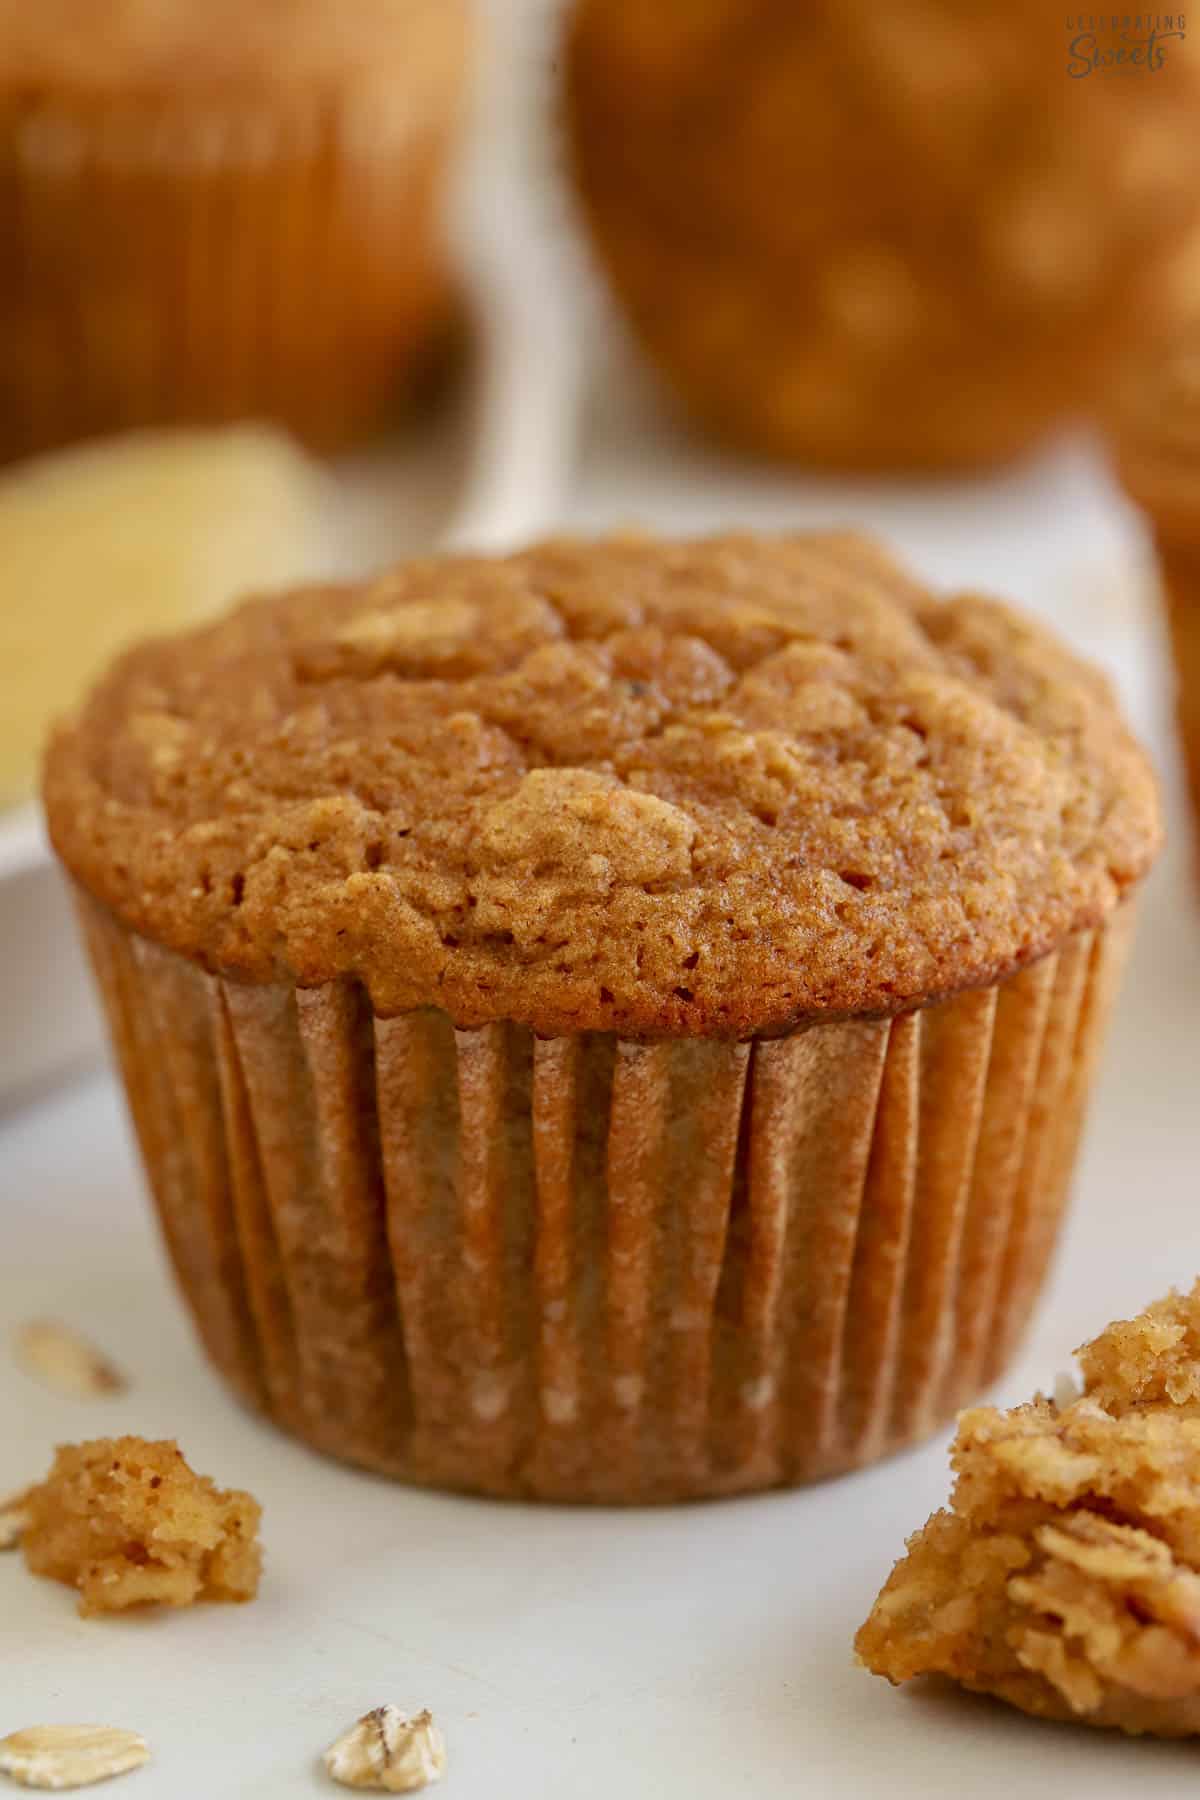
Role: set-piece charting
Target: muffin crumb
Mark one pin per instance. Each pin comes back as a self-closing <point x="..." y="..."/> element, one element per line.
<point x="1065" y="1576"/>
<point x="128" y="1523"/>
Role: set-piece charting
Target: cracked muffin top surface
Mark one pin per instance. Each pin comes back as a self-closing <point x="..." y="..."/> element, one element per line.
<point x="717" y="787"/>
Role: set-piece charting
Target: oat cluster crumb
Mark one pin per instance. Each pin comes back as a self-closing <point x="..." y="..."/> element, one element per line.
<point x="65" y="1362"/>
<point x="128" y="1523"/>
<point x="1065" y="1575"/>
<point x="388" y="1752"/>
<point x="707" y="788"/>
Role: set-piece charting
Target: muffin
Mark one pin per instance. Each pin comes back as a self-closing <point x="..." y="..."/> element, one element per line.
<point x="222" y="211"/>
<point x="1156" y="429"/>
<point x="611" y="1022"/>
<point x="892" y="236"/>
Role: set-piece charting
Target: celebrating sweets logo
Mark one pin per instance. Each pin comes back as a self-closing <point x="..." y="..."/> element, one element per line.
<point x="1121" y="43"/>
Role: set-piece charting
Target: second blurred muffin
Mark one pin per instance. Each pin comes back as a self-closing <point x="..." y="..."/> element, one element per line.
<point x="222" y="211"/>
<point x="897" y="235"/>
<point x="1156" y="424"/>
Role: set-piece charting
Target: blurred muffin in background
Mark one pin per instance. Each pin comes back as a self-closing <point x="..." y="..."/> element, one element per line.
<point x="1156" y="427"/>
<point x="105" y="543"/>
<point x="221" y="211"/>
<point x="909" y="234"/>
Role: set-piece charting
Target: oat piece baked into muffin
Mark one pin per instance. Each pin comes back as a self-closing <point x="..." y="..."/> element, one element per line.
<point x="1156" y="427"/>
<point x="221" y="211"/>
<point x="897" y="235"/>
<point x="1065" y="1577"/>
<point x="610" y="1022"/>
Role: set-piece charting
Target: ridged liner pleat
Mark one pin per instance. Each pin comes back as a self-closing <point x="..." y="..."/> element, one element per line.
<point x="583" y="1268"/>
<point x="194" y="263"/>
<point x="160" y="1023"/>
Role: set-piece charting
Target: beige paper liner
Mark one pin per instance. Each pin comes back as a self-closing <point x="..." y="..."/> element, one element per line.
<point x="167" y="264"/>
<point x="589" y="1269"/>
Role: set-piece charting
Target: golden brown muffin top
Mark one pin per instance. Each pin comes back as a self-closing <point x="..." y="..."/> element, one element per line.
<point x="714" y="787"/>
<point x="165" y="46"/>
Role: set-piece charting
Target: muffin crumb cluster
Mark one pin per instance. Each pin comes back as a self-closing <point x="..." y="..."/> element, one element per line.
<point x="1065" y="1576"/>
<point x="128" y="1523"/>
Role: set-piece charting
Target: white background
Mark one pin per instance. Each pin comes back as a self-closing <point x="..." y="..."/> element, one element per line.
<point x="701" y="1652"/>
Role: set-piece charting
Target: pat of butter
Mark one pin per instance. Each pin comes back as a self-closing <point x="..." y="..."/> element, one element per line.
<point x="109" y="542"/>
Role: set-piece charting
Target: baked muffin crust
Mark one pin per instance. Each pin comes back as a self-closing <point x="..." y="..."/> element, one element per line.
<point x="716" y="787"/>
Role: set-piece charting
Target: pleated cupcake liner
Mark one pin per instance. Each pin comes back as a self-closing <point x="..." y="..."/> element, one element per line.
<point x="184" y="263"/>
<point x="589" y="1269"/>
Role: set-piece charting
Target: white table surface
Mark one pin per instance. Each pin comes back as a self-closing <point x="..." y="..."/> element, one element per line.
<point x="699" y="1653"/>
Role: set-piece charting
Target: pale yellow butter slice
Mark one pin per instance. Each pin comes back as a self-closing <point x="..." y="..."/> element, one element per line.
<point x="103" y="544"/>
